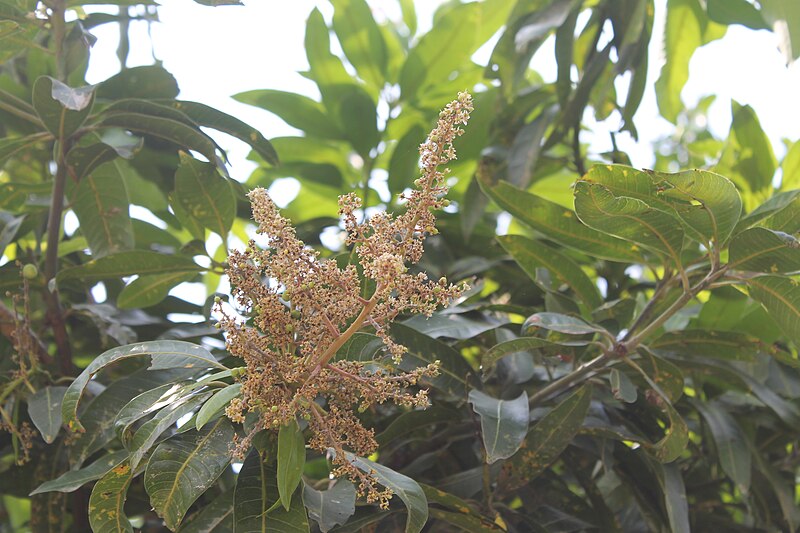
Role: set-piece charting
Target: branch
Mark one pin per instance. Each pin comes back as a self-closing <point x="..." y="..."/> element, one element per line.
<point x="9" y="329"/>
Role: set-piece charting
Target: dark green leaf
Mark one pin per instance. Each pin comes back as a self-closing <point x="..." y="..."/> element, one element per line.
<point x="128" y="263"/>
<point x="148" y="82"/>
<point x="763" y="250"/>
<point x="331" y="507"/>
<point x="106" y="513"/>
<point x="558" y="322"/>
<point x="674" y="490"/>
<point x="62" y="109"/>
<point x="215" y="517"/>
<point x="361" y="347"/>
<point x="205" y="195"/>
<point x="291" y="459"/>
<point x="10" y="146"/>
<point x="217" y="403"/>
<point x="149" y="290"/>
<point x="709" y="343"/>
<point x="83" y="160"/>
<point x="780" y="296"/>
<point x="504" y="423"/>
<point x="407" y="423"/>
<point x="44" y="408"/>
<point x="183" y="467"/>
<point x="452" y="325"/>
<point x="524" y="344"/>
<point x="74" y="479"/>
<point x="676" y="436"/>
<point x="142" y="405"/>
<point x="732" y="451"/>
<point x="622" y="387"/>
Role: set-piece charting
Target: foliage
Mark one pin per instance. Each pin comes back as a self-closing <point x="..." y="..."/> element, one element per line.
<point x="625" y="359"/>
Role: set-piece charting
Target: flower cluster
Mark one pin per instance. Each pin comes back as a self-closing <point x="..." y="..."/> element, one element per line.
<point x="304" y="310"/>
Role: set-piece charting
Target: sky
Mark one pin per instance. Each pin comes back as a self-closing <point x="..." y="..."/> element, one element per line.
<point x="217" y="52"/>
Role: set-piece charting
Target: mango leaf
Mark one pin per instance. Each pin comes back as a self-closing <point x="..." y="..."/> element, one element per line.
<point x="184" y="467"/>
<point x="764" y="250"/>
<point x="523" y="344"/>
<point x="731" y="12"/>
<point x="147" y="434"/>
<point x="291" y="459"/>
<point x="504" y="423"/>
<point x="146" y="291"/>
<point x="675" y="438"/>
<point x="75" y="479"/>
<point x="44" y="408"/>
<point x="83" y="160"/>
<point x="674" y="491"/>
<point x="790" y="168"/>
<point x="142" y="405"/>
<point x="780" y="296"/>
<point x="128" y="263"/>
<point x="62" y="109"/>
<point x="786" y="201"/>
<point x="728" y="345"/>
<point x="100" y="201"/>
<point x="558" y="223"/>
<point x="330" y="507"/>
<point x="355" y="112"/>
<point x="424" y="350"/>
<point x="452" y="325"/>
<point x="687" y="29"/>
<point x="628" y="218"/>
<point x="215" y="517"/>
<point x="361" y="40"/>
<point x="407" y="423"/>
<point x="148" y="81"/>
<point x="256" y="493"/>
<point x="550" y="436"/>
<point x="732" y="451"/>
<point x="531" y="255"/>
<point x="106" y="513"/>
<point x="557" y="322"/>
<point x="404" y="163"/>
<point x="622" y="387"/>
<point x="402" y="486"/>
<point x="164" y="355"/>
<point x="10" y="146"/>
<point x="748" y="157"/>
<point x="217" y="403"/>
<point x="205" y="195"/>
<point x="361" y="347"/>
<point x="296" y="110"/>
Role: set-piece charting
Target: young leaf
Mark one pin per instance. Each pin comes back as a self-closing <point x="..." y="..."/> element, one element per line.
<point x="108" y="499"/>
<point x="330" y="507"/>
<point x="184" y="467"/>
<point x="291" y="458"/>
<point x="205" y="195"/>
<point x="764" y="250"/>
<point x="402" y="486"/>
<point x="44" y="408"/>
<point x="62" y="109"/>
<point x="550" y="436"/>
<point x="217" y="403"/>
<point x="504" y="423"/>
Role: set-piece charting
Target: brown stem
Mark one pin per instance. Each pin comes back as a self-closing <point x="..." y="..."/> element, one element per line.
<point x="570" y="379"/>
<point x="9" y="328"/>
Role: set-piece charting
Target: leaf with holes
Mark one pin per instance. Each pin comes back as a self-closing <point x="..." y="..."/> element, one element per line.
<point x="106" y="513"/>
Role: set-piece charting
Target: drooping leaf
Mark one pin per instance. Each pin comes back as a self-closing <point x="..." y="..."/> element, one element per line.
<point x="217" y="403"/>
<point x="674" y="491"/>
<point x="330" y="507"/>
<point x="361" y="40"/>
<point x="149" y="290"/>
<point x="75" y="479"/>
<point x="142" y="405"/>
<point x="452" y="325"/>
<point x="732" y="451"/>
<point x="62" y="109"/>
<point x="532" y="255"/>
<point x="764" y="250"/>
<point x="558" y="223"/>
<point x="780" y="296"/>
<point x="128" y="263"/>
<point x="504" y="423"/>
<point x="524" y="152"/>
<point x="550" y="436"/>
<point x="402" y="486"/>
<point x="44" y="408"/>
<point x="296" y="110"/>
<point x="164" y="355"/>
<point x="205" y="195"/>
<point x="106" y="513"/>
<point x="291" y="459"/>
<point x="404" y="163"/>
<point x="675" y="438"/>
<point x="184" y="467"/>
<point x="748" y="158"/>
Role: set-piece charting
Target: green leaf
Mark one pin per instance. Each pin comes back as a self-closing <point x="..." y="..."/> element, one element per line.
<point x="146" y="291"/>
<point x="44" y="408"/>
<point x="325" y="68"/>
<point x="407" y="423"/>
<point x="504" y="423"/>
<point x="205" y="195"/>
<point x="559" y="224"/>
<point x="142" y="405"/>
<point x="62" y="109"/>
<point x="361" y="40"/>
<point x="404" y="163"/>
<point x="763" y="250"/>
<point x="732" y="451"/>
<point x="257" y="493"/>
<point x="75" y="479"/>
<point x="164" y="355"/>
<point x="184" y="467"/>
<point x="10" y="146"/>
<point x="748" y="157"/>
<point x="291" y="459"/>
<point x="628" y="218"/>
<point x="558" y="322"/>
<point x="784" y="18"/>
<point x="687" y="29"/>
<point x="402" y="486"/>
<point x="731" y="12"/>
<point x="148" y="82"/>
<point x="147" y="434"/>
<point x="296" y="110"/>
<point x="128" y="263"/>
<point x="206" y="116"/>
<point x="523" y="344"/>
<point x="675" y="438"/>
<point x="551" y="435"/>
<point x="622" y="387"/>
<point x="215" y="517"/>
<point x="524" y="152"/>
<point x="355" y="112"/>
<point x="83" y="160"/>
<point x="452" y="325"/>
<point x="674" y="491"/>
<point x="361" y="347"/>
<point x="790" y="168"/>
<point x="532" y="255"/>
<point x="780" y="296"/>
<point x="330" y="507"/>
<point x="784" y="202"/>
<point x="709" y="343"/>
<point x="217" y="403"/>
<point x="100" y="201"/>
<point x="106" y="513"/>
<point x="424" y="350"/>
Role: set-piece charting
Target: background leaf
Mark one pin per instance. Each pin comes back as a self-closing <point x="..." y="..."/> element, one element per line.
<point x="504" y="423"/>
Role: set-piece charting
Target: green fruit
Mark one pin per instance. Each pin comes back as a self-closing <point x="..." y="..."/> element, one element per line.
<point x="30" y="271"/>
